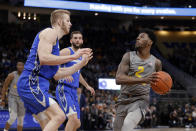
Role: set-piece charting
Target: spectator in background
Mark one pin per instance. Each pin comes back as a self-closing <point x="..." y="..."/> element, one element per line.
<point x="194" y="117"/>
<point x="173" y="119"/>
<point x="154" y="116"/>
<point x="82" y="103"/>
<point x="148" y="119"/>
<point x="187" y="116"/>
<point x="180" y="116"/>
<point x="1" y="107"/>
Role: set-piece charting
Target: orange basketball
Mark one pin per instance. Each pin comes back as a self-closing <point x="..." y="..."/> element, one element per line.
<point x="164" y="83"/>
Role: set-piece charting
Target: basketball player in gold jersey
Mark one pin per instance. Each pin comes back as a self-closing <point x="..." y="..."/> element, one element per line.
<point x="16" y="106"/>
<point x="135" y="73"/>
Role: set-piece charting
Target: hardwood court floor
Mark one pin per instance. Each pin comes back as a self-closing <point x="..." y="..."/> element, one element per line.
<point x="168" y="129"/>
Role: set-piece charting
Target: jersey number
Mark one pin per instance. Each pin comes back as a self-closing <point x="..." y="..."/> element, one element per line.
<point x="140" y="70"/>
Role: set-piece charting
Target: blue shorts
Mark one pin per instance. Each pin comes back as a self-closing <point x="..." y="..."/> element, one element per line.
<point x="68" y="100"/>
<point x="33" y="92"/>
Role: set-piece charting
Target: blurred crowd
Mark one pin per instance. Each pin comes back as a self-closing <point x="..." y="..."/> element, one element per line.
<point x="187" y="55"/>
<point x="184" y="116"/>
<point x="97" y="112"/>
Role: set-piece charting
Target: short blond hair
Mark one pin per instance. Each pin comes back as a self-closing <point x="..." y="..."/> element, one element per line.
<point x="56" y="14"/>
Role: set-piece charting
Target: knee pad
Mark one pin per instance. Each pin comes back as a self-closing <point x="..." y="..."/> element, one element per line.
<point x="20" y="120"/>
<point x="12" y="118"/>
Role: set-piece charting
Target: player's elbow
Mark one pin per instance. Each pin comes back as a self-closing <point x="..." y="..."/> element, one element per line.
<point x="118" y="80"/>
<point x="56" y="77"/>
<point x="43" y="60"/>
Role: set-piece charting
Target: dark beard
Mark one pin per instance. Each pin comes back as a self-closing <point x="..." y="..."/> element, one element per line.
<point x="76" y="47"/>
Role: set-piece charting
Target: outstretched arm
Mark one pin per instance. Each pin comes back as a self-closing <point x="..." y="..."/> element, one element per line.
<point x="67" y="71"/>
<point x="86" y="85"/>
<point x="122" y="76"/>
<point x="48" y="39"/>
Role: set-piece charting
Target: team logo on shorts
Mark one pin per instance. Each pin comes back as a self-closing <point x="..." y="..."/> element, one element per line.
<point x="36" y="91"/>
<point x="62" y="97"/>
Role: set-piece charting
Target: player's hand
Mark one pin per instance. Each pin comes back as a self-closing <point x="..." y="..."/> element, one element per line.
<point x="86" y="58"/>
<point x="151" y="79"/>
<point x="69" y="79"/>
<point x="81" y="52"/>
<point x="91" y="90"/>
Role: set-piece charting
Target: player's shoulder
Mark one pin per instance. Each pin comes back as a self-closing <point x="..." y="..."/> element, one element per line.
<point x="126" y="57"/>
<point x="49" y="32"/>
<point x="11" y="75"/>
<point x="157" y="61"/>
<point x="127" y="54"/>
<point x="130" y="54"/>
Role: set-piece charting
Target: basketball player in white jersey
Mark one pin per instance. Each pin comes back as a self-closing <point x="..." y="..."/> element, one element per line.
<point x="16" y="106"/>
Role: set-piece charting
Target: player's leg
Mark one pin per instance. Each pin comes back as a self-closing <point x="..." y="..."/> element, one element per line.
<point x="7" y="127"/>
<point x="20" y="123"/>
<point x="20" y="114"/>
<point x="74" y="119"/>
<point x="42" y="119"/>
<point x="36" y="103"/>
<point x="56" y="115"/>
<point x="132" y="120"/>
<point x="118" y="123"/>
<point x="66" y="102"/>
<point x="12" y="105"/>
<point x="78" y="123"/>
<point x="119" y="118"/>
<point x="73" y="123"/>
<point x="37" y="100"/>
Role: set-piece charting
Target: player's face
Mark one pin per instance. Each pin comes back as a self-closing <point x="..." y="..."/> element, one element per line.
<point x="65" y="23"/>
<point x="142" y="41"/>
<point x="77" y="41"/>
<point x="20" y="66"/>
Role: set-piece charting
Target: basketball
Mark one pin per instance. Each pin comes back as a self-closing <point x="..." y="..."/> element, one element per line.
<point x="164" y="83"/>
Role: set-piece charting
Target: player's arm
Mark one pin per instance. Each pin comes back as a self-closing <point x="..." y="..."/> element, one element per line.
<point x="7" y="82"/>
<point x="158" y="65"/>
<point x="65" y="52"/>
<point x="48" y="39"/>
<point x="67" y="71"/>
<point x="122" y="76"/>
<point x="86" y="85"/>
